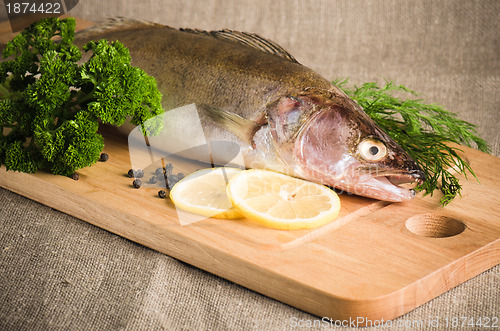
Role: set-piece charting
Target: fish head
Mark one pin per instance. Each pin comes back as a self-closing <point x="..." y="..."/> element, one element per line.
<point x="327" y="138"/>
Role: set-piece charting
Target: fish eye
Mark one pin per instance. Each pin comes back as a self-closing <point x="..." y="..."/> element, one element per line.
<point x="372" y="150"/>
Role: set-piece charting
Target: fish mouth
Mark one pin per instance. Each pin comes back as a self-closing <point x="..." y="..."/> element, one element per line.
<point x="394" y="186"/>
<point x="407" y="179"/>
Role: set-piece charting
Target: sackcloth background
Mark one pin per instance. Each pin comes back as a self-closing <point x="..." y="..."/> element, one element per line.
<point x="60" y="273"/>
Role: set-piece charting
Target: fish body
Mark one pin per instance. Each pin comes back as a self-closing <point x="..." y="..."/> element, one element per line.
<point x="283" y="115"/>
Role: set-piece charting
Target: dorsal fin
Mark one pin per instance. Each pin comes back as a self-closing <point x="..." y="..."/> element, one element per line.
<point x="247" y="39"/>
<point x="117" y="23"/>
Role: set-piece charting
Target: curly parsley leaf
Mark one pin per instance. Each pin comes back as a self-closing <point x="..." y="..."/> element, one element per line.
<point x="51" y="106"/>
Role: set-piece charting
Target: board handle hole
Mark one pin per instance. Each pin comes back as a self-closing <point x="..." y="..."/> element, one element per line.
<point x="434" y="226"/>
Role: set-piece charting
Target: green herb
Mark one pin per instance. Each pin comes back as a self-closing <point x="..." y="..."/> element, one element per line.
<point x="423" y="130"/>
<point x="51" y="107"/>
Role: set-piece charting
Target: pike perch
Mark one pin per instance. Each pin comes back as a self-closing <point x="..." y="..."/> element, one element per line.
<point x="283" y="115"/>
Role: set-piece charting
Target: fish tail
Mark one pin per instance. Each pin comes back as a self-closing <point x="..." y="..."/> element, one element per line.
<point x="116" y="24"/>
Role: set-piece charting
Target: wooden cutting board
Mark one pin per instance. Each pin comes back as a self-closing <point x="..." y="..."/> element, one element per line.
<point x="377" y="261"/>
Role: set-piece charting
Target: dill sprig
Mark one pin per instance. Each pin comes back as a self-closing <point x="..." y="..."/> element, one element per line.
<point x="425" y="131"/>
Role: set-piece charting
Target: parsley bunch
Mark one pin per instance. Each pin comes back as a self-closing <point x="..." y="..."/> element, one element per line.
<point x="51" y="107"/>
<point x="423" y="130"/>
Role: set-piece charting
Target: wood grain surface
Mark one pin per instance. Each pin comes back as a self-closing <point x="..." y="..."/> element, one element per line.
<point x="377" y="260"/>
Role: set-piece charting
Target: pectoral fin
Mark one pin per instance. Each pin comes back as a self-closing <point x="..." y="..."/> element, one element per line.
<point x="241" y="127"/>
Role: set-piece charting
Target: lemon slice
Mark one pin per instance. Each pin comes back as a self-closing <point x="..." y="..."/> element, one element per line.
<point x="282" y="202"/>
<point x="204" y="193"/>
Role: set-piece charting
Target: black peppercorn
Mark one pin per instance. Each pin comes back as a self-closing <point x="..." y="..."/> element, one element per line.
<point x="137" y="183"/>
<point x="180" y="175"/>
<point x="131" y="173"/>
<point x="168" y="168"/>
<point x="172" y="180"/>
<point x="159" y="171"/>
<point x="162" y="194"/>
<point x="104" y="157"/>
<point x="153" y="180"/>
<point x="75" y="176"/>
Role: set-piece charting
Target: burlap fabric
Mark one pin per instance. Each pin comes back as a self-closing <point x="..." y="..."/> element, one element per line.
<point x="59" y="273"/>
